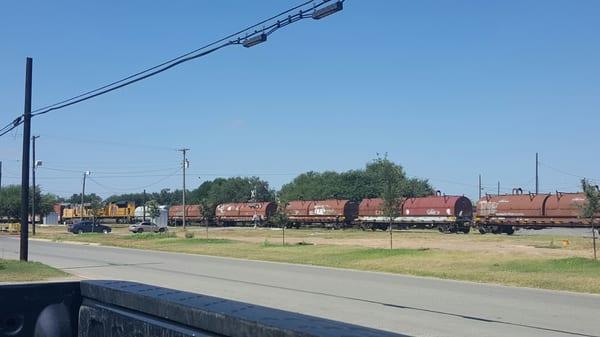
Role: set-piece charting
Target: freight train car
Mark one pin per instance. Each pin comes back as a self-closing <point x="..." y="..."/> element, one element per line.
<point x="193" y="214"/>
<point x="449" y="214"/>
<point x="245" y="213"/>
<point x="503" y="213"/>
<point x="330" y="213"/>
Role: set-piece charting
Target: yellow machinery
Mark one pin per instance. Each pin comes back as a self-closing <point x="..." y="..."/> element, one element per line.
<point x="119" y="211"/>
<point x="14" y="227"/>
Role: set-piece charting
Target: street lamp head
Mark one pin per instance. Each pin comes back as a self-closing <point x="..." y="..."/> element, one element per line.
<point x="253" y="41"/>
<point x="38" y="163"/>
<point x="328" y="10"/>
<point x="87" y="173"/>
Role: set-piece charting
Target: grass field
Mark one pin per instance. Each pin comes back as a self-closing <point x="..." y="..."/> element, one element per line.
<point x="533" y="261"/>
<point x="17" y="271"/>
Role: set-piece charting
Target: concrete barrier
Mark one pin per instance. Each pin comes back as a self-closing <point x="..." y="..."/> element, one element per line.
<point x="127" y="309"/>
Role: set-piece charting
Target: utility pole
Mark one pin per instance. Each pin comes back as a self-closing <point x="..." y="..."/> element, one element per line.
<point x="0" y="174"/>
<point x="537" y="181"/>
<point x="185" y="164"/>
<point x="480" y="186"/>
<point x="85" y="174"/>
<point x="144" y="215"/>
<point x="33" y="166"/>
<point x="24" y="244"/>
<point x="498" y="187"/>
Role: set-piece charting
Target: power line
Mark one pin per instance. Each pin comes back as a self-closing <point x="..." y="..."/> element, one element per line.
<point x="173" y="59"/>
<point x="175" y="173"/>
<point x="249" y="39"/>
<point x="567" y="173"/>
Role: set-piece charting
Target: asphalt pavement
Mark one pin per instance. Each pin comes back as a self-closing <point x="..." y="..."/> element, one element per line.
<point x="404" y="304"/>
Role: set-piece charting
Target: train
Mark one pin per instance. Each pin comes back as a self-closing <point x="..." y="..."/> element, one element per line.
<point x="496" y="214"/>
<point x="120" y="212"/>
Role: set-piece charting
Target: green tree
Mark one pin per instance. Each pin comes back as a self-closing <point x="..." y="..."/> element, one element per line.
<point x="391" y="179"/>
<point x="88" y="198"/>
<point x="591" y="207"/>
<point x="280" y="218"/>
<point x="354" y="185"/>
<point x="10" y="201"/>
<point x="153" y="209"/>
<point x="95" y="209"/>
<point x="236" y="189"/>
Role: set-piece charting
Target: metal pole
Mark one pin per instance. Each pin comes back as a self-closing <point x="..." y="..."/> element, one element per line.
<point x="480" y="186"/>
<point x="537" y="182"/>
<point x="83" y="194"/>
<point x="33" y="138"/>
<point x="184" y="151"/>
<point x="24" y="244"/>
<point x="144" y="215"/>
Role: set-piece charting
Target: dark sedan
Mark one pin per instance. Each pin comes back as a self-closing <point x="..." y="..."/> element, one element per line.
<point x="88" y="227"/>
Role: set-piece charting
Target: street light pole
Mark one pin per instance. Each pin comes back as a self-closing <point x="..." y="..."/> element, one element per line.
<point x="185" y="164"/>
<point x="24" y="243"/>
<point x="33" y="166"/>
<point x="85" y="174"/>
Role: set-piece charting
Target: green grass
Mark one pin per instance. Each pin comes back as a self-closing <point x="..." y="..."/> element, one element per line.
<point x="537" y="270"/>
<point x="17" y="271"/>
<point x="573" y="265"/>
<point x="150" y="236"/>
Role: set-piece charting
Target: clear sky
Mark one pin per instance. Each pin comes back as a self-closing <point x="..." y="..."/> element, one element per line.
<point x="449" y="89"/>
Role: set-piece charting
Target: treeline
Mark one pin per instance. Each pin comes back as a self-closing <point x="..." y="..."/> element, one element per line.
<point x="10" y="201"/>
<point x="355" y="185"/>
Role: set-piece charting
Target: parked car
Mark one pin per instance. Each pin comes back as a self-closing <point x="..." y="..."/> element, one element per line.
<point x="88" y="227"/>
<point x="147" y="226"/>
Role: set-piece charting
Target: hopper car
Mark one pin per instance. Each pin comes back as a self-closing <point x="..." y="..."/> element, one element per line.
<point x="245" y="213"/>
<point x="193" y="214"/>
<point x="503" y="213"/>
<point x="329" y="213"/>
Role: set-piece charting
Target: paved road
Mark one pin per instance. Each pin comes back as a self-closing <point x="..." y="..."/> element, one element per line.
<point x="404" y="304"/>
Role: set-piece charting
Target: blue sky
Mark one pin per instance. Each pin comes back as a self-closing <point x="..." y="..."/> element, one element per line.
<point x="449" y="89"/>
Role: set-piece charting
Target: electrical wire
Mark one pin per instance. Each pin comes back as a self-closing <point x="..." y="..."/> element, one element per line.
<point x="174" y="173"/>
<point x="174" y="62"/>
<point x="176" y="58"/>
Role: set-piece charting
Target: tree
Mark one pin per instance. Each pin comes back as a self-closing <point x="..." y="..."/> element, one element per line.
<point x="88" y="198"/>
<point x="280" y="217"/>
<point x="236" y="189"/>
<point x="10" y="202"/>
<point x="390" y="179"/>
<point x="153" y="209"/>
<point x="354" y="185"/>
<point x="95" y="209"/>
<point x="591" y="207"/>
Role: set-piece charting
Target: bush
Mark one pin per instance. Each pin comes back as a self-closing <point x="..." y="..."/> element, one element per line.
<point x="189" y="235"/>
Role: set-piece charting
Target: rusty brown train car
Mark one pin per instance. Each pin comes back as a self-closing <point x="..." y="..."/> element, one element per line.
<point x="503" y="213"/>
<point x="330" y="213"/>
<point x="245" y="213"/>
<point x="450" y="214"/>
<point x="193" y="214"/>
